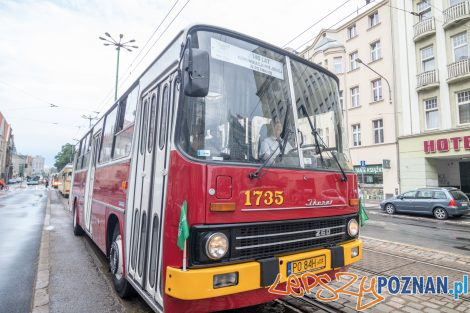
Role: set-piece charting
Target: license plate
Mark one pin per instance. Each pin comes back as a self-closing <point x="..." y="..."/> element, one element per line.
<point x="464" y="203"/>
<point x="306" y="265"/>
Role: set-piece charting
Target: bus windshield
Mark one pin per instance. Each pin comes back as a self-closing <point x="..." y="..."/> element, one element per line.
<point x="245" y="119"/>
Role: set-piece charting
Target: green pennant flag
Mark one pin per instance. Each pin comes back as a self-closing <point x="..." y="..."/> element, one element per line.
<point x="183" y="229"/>
<point x="362" y="214"/>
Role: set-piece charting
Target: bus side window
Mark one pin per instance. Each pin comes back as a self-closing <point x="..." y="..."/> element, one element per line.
<point x="108" y="135"/>
<point x="125" y="125"/>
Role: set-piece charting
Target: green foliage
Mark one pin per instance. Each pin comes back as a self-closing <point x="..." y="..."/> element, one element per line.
<point x="64" y="157"/>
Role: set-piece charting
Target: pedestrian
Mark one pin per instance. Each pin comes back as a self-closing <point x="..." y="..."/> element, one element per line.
<point x="2" y="184"/>
<point x="46" y="183"/>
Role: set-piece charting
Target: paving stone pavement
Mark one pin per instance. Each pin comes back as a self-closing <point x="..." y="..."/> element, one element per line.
<point x="386" y="258"/>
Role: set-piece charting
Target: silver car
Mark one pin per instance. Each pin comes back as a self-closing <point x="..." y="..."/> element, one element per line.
<point x="441" y="202"/>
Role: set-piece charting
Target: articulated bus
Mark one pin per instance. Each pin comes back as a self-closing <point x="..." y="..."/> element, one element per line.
<point x="64" y="179"/>
<point x="250" y="140"/>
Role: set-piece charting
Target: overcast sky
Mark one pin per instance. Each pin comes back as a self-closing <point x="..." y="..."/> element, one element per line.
<point x="50" y="53"/>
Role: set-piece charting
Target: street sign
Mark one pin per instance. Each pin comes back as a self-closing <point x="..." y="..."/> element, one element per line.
<point x="363" y="163"/>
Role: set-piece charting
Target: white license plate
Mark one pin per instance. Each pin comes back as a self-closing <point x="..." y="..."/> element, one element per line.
<point x="464" y="203"/>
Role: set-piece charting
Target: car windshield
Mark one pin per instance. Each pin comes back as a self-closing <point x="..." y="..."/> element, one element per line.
<point x="243" y="116"/>
<point x="458" y="195"/>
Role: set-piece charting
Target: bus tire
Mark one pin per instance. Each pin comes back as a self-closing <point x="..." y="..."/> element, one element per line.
<point x="77" y="230"/>
<point x="121" y="285"/>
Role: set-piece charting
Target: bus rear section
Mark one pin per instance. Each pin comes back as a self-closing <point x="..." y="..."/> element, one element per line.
<point x="249" y="141"/>
<point x="64" y="180"/>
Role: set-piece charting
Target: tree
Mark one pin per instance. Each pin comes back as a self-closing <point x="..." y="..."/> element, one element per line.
<point x="64" y="157"/>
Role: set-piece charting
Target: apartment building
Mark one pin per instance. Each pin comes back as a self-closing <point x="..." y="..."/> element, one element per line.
<point x="6" y="144"/>
<point x="360" y="52"/>
<point x="433" y="64"/>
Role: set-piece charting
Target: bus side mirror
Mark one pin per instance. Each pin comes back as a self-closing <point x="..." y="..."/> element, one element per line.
<point x="196" y="72"/>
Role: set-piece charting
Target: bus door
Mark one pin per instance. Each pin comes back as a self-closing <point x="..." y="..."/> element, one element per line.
<point x="95" y="146"/>
<point x="152" y="162"/>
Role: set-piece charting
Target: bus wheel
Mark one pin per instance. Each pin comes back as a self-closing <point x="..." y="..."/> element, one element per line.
<point x="122" y="287"/>
<point x="77" y="230"/>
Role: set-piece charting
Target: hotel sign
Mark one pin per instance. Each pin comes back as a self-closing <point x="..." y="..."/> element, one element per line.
<point x="446" y="144"/>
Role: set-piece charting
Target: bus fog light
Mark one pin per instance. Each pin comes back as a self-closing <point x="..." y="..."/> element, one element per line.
<point x="354" y="252"/>
<point x="225" y="280"/>
<point x="353" y="228"/>
<point x="216" y="246"/>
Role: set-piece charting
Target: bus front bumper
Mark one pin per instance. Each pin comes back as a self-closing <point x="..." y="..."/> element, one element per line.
<point x="195" y="284"/>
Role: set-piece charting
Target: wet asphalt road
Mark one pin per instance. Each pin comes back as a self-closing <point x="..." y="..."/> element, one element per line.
<point x="430" y="234"/>
<point x="21" y="222"/>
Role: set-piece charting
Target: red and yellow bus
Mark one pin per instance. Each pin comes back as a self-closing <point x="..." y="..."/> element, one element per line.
<point x="64" y="180"/>
<point x="251" y="137"/>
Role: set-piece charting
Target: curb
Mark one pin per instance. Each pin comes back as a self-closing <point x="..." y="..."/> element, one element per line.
<point x="41" y="290"/>
<point x="432" y="220"/>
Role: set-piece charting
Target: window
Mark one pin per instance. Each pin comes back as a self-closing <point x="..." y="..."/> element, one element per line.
<point x="463" y="106"/>
<point x="454" y="2"/>
<point x="460" y="46"/>
<point x="164" y="118"/>
<point x="375" y="51"/>
<point x="352" y="31"/>
<point x="108" y="135"/>
<point x="353" y="61"/>
<point x="431" y="112"/>
<point x="378" y="126"/>
<point x="373" y="19"/>
<point x="439" y="195"/>
<point x="377" y="90"/>
<point x="355" y="97"/>
<point x="338" y="64"/>
<point x="424" y="10"/>
<point x="356" y="130"/>
<point x="341" y="101"/>
<point x="427" y="59"/>
<point x="125" y="128"/>
<point x="424" y="194"/>
<point x="409" y="195"/>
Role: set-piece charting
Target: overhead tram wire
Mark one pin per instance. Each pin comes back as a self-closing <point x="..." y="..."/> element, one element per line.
<point x="135" y="67"/>
<point x="314" y="24"/>
<point x="344" y="18"/>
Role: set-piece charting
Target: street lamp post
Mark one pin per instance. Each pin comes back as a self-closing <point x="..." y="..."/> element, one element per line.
<point x="389" y="88"/>
<point x="110" y="41"/>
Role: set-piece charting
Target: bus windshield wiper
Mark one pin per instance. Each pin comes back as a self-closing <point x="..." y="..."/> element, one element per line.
<point x="281" y="145"/>
<point x="317" y="139"/>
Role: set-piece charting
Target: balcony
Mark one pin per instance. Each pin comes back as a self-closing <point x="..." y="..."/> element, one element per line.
<point x="458" y="71"/>
<point x="424" y="29"/>
<point x="456" y="14"/>
<point x="427" y="80"/>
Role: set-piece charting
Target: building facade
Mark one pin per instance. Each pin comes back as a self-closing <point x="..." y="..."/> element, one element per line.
<point x="360" y="53"/>
<point x="6" y="146"/>
<point x="38" y="165"/>
<point x="433" y="63"/>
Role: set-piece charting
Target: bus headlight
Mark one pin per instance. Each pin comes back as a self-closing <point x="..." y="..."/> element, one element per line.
<point x="216" y="246"/>
<point x="353" y="228"/>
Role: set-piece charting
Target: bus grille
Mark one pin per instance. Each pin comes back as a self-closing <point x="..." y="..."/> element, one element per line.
<point x="266" y="240"/>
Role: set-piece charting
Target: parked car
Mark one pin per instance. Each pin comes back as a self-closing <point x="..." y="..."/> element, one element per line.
<point x="32" y="182"/>
<point x="441" y="202"/>
<point x="12" y="181"/>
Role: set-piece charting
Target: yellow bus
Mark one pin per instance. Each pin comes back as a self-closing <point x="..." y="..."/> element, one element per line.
<point x="64" y="177"/>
